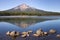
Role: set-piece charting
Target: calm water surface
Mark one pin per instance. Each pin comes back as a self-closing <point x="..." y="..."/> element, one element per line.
<point x="27" y="20"/>
<point x="22" y="22"/>
<point x="25" y="24"/>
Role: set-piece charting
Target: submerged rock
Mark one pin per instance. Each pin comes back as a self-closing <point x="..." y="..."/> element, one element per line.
<point x="45" y="33"/>
<point x="13" y="34"/>
<point x="52" y="31"/>
<point x="58" y="35"/>
<point x="25" y="34"/>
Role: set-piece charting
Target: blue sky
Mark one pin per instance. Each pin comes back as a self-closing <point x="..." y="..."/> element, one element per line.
<point x="47" y="5"/>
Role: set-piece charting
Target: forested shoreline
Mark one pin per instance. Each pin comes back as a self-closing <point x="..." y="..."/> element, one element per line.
<point x="4" y="13"/>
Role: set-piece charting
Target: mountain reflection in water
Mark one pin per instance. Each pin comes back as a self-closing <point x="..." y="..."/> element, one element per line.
<point x="22" y="22"/>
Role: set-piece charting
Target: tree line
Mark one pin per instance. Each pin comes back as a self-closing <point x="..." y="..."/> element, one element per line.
<point x="5" y="13"/>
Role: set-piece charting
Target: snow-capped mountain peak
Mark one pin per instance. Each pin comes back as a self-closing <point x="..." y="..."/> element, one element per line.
<point x="22" y="7"/>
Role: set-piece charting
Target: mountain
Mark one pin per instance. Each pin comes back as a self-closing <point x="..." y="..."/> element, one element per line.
<point x="24" y="8"/>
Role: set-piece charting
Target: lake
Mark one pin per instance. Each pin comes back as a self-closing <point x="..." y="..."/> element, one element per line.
<point x="25" y="21"/>
<point x="21" y="23"/>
